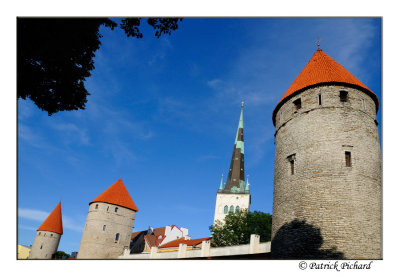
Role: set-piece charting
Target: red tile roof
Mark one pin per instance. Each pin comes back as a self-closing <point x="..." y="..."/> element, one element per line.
<point x="53" y="222"/>
<point x="189" y="242"/>
<point x="322" y="69"/>
<point x="159" y="231"/>
<point x="151" y="240"/>
<point x="135" y="234"/>
<point x="117" y="194"/>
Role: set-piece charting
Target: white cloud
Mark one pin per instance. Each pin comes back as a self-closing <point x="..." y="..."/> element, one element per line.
<point x="71" y="132"/>
<point x="35" y="215"/>
<point x="40" y="216"/>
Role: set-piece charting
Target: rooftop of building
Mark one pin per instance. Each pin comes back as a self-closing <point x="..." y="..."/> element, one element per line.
<point x="53" y="222"/>
<point x="117" y="194"/>
<point x="322" y="70"/>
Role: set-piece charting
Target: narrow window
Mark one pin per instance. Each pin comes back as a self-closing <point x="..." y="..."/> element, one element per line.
<point x="116" y="209"/>
<point x="348" y="158"/>
<point x="107" y="208"/>
<point x="319" y="99"/>
<point x="363" y="104"/>
<point x="225" y="209"/>
<point x="97" y="206"/>
<point x="291" y="160"/>
<point x="237" y="209"/>
<point x="44" y="234"/>
<point x="344" y="96"/>
<point x="297" y="103"/>
<point x="116" y="237"/>
<point x="41" y="246"/>
<point x="51" y="235"/>
<point x="104" y="227"/>
<point x="231" y="210"/>
<point x="40" y="233"/>
<point x="292" y="167"/>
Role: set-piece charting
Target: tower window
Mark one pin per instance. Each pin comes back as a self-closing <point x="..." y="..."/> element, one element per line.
<point x="292" y="167"/>
<point x="344" y="96"/>
<point x="291" y="160"/>
<point x="297" y="103"/>
<point x="225" y="209"/>
<point x="363" y="104"/>
<point x="107" y="208"/>
<point x="116" y="237"/>
<point x="40" y="233"/>
<point x="104" y="227"/>
<point x="237" y="209"/>
<point x="231" y="209"/>
<point x="41" y="246"/>
<point x="319" y="99"/>
<point x="97" y="206"/>
<point x="116" y="209"/>
<point x="51" y="235"/>
<point x="348" y="158"/>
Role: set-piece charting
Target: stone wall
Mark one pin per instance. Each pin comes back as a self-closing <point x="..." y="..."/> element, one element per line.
<point x="99" y="234"/>
<point x="45" y="245"/>
<point x="255" y="247"/>
<point x="338" y="206"/>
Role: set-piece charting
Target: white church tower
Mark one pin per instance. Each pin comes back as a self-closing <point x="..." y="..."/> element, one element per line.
<point x="235" y="195"/>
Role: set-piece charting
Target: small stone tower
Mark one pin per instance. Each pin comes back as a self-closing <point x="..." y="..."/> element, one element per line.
<point x="48" y="236"/>
<point x="327" y="181"/>
<point x="235" y="195"/>
<point x="109" y="224"/>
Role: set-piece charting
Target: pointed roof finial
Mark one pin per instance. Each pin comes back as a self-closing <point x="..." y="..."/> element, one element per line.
<point x="247" y="183"/>
<point x="221" y="186"/>
<point x="318" y="43"/>
<point x="242" y="104"/>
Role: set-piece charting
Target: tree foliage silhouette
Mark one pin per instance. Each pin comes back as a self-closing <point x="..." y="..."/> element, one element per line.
<point x="55" y="56"/>
<point x="238" y="227"/>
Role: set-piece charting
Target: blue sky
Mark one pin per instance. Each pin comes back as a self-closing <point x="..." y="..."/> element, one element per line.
<point x="163" y="114"/>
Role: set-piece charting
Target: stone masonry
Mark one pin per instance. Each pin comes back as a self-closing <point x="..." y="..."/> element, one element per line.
<point x="45" y="245"/>
<point x="103" y="223"/>
<point x="314" y="184"/>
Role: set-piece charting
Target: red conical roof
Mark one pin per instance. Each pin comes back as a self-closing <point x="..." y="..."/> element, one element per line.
<point x="117" y="194"/>
<point x="53" y="222"/>
<point x="322" y="69"/>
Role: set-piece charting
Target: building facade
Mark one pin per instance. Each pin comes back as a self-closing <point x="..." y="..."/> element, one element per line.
<point x="328" y="172"/>
<point x="235" y="194"/>
<point x="109" y="224"/>
<point x="48" y="236"/>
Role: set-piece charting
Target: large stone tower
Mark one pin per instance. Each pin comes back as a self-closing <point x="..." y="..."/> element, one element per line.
<point x="48" y="236"/>
<point x="235" y="195"/>
<point x="109" y="224"/>
<point x="327" y="183"/>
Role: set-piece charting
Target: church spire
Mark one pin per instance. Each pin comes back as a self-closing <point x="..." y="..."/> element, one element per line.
<point x="235" y="182"/>
<point x="221" y="186"/>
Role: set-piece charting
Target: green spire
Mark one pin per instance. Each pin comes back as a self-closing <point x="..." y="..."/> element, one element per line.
<point x="239" y="142"/>
<point x="247" y="184"/>
<point x="221" y="186"/>
<point x="235" y="182"/>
